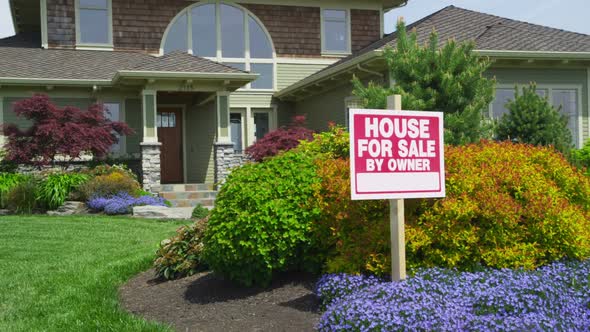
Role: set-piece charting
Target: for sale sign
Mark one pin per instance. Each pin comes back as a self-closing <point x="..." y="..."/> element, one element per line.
<point x="396" y="154"/>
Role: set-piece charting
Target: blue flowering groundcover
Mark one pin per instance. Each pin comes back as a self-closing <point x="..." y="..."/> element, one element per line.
<point x="122" y="203"/>
<point x="555" y="297"/>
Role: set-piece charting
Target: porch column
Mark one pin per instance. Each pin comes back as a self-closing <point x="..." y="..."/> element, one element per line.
<point x="150" y="147"/>
<point x="224" y="148"/>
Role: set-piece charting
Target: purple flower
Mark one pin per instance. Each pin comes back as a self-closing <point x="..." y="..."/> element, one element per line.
<point x="554" y="297"/>
<point x="122" y="203"/>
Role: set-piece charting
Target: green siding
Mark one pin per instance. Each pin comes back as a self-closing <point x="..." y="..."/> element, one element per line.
<point x="8" y="116"/>
<point x="245" y="99"/>
<point x="543" y="76"/>
<point x="200" y="140"/>
<point x="324" y="108"/>
<point x="289" y="74"/>
<point x="223" y="116"/>
<point x="133" y="118"/>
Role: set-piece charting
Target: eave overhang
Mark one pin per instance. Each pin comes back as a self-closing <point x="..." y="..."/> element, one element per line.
<point x="496" y="55"/>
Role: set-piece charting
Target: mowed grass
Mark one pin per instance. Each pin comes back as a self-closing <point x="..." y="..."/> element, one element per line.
<point x="63" y="273"/>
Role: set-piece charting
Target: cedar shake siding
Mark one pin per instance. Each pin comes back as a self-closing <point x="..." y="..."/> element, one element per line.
<point x="140" y="25"/>
<point x="61" y="23"/>
<point x="365" y="28"/>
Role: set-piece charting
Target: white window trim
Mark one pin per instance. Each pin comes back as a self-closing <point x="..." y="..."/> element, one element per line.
<point x="95" y="46"/>
<point x="122" y="139"/>
<point x="550" y="88"/>
<point x="246" y="60"/>
<point x="326" y="52"/>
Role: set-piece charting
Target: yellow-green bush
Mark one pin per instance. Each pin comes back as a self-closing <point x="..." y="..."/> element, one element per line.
<point x="109" y="181"/>
<point x="507" y="206"/>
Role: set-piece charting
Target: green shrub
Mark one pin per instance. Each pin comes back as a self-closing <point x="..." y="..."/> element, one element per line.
<point x="22" y="198"/>
<point x="7" y="182"/>
<point x="200" y="212"/>
<point x="109" y="181"/>
<point x="507" y="206"/>
<point x="181" y="255"/>
<point x="262" y="217"/>
<point x="533" y="120"/>
<point x="581" y="157"/>
<point x="56" y="188"/>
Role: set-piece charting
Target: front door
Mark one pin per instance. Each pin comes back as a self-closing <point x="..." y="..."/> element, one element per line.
<point x="170" y="135"/>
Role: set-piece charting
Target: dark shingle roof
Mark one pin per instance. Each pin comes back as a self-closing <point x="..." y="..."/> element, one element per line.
<point x="489" y="32"/>
<point x="23" y="60"/>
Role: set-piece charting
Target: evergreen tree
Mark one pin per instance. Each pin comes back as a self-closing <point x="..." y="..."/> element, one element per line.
<point x="533" y="120"/>
<point x="430" y="78"/>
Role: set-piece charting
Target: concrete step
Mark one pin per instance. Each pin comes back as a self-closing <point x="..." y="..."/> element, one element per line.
<point x="184" y="187"/>
<point x="195" y="195"/>
<point x="208" y="203"/>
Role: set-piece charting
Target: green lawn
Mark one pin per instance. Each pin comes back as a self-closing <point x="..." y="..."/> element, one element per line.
<point x="62" y="273"/>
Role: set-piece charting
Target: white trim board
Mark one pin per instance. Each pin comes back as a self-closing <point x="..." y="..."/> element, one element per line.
<point x="94" y="46"/>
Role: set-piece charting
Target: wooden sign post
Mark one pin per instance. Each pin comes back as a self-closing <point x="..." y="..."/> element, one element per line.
<point x="397" y="219"/>
<point x="394" y="155"/>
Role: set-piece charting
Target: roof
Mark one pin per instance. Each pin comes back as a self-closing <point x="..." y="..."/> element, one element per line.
<point x="23" y="61"/>
<point x="491" y="34"/>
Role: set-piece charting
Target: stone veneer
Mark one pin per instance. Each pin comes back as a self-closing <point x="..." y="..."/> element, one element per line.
<point x="225" y="160"/>
<point x="150" y="165"/>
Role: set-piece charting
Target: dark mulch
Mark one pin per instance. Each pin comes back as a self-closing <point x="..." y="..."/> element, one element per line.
<point x="205" y="302"/>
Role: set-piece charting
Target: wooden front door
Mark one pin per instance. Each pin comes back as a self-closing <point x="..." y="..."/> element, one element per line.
<point x="170" y="135"/>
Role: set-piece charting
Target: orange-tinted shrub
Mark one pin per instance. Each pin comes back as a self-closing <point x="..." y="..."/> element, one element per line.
<point x="507" y="206"/>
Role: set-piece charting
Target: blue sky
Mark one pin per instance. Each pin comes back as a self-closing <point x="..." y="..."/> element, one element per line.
<point x="553" y="13"/>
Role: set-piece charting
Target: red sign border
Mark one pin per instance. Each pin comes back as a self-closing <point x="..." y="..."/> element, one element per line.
<point x="355" y="195"/>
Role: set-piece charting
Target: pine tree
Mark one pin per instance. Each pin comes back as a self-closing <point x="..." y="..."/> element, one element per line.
<point x="447" y="79"/>
<point x="533" y="120"/>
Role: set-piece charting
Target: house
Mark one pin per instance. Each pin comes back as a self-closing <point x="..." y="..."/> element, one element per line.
<point x="201" y="80"/>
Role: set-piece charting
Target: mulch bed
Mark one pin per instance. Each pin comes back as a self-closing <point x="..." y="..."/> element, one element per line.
<point x="204" y="302"/>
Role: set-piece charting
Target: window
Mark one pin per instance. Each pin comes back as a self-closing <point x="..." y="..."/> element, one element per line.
<point x="166" y="120"/>
<point x="350" y="103"/>
<point x="261" y="124"/>
<point x="237" y="133"/>
<point x="94" y="22"/>
<point x="565" y="99"/>
<point x="335" y="31"/>
<point x="227" y="34"/>
<point x="112" y="112"/>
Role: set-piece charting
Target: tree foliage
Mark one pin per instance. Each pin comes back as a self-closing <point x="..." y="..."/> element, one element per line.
<point x="67" y="132"/>
<point x="533" y="120"/>
<point x="447" y="79"/>
<point x="282" y="139"/>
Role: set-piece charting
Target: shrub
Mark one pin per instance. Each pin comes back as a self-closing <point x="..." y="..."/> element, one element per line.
<point x="113" y="182"/>
<point x="507" y="206"/>
<point x="282" y="139"/>
<point x="581" y="157"/>
<point x="122" y="203"/>
<point x="533" y="120"/>
<point x="552" y="298"/>
<point x="22" y="198"/>
<point x="334" y="143"/>
<point x="7" y="182"/>
<point x="261" y="220"/>
<point x="181" y="255"/>
<point x="200" y="212"/>
<point x="56" y="188"/>
<point x="67" y="132"/>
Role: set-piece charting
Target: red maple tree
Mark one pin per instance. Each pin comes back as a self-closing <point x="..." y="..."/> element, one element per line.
<point x="66" y="132"/>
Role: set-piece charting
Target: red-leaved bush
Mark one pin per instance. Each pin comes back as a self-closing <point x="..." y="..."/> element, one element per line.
<point x="282" y="139"/>
<point x="66" y="132"/>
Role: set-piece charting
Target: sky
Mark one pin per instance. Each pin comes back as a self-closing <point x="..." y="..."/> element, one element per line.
<point x="553" y="13"/>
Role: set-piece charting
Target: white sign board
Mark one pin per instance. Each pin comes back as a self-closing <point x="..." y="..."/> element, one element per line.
<point x="396" y="154"/>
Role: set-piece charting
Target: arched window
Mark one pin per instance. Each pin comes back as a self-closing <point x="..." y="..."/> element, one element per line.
<point x="224" y="33"/>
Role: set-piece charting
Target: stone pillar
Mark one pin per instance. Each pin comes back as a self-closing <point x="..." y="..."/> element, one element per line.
<point x="224" y="161"/>
<point x="150" y="165"/>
